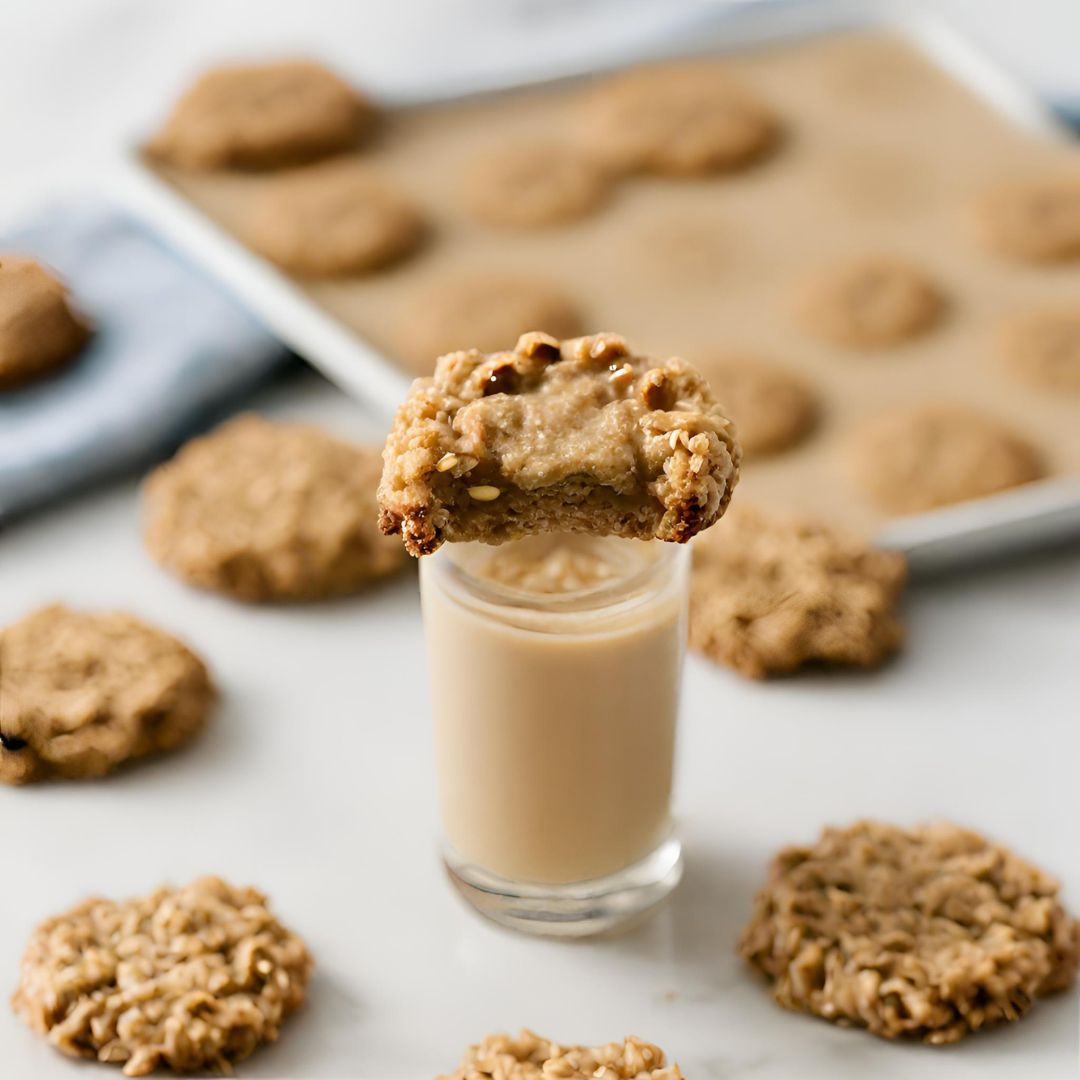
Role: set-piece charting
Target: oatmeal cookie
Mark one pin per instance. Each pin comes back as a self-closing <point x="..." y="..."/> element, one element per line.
<point x="773" y="409"/>
<point x="928" y="933"/>
<point x="535" y="184"/>
<point x="81" y="694"/>
<point x="332" y="220"/>
<point x="870" y="303"/>
<point x="483" y="312"/>
<point x="269" y="511"/>
<point x="530" y="1057"/>
<point x="677" y="119"/>
<point x="187" y="979"/>
<point x="577" y="436"/>
<point x="1037" y="221"/>
<point x="39" y="331"/>
<point x="262" y="116"/>
<point x="914" y="459"/>
<point x="769" y="595"/>
<point x="1043" y="348"/>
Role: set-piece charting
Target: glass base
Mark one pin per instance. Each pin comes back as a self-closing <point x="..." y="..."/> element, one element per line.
<point x="579" y="909"/>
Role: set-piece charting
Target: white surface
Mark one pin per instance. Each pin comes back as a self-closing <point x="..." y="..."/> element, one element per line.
<point x="314" y="780"/>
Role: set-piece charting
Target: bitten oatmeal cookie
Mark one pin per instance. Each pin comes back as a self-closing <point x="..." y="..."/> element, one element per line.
<point x="1037" y="221"/>
<point x="534" y="184"/>
<point x="333" y="219"/>
<point x="82" y="693"/>
<point x="1043" y="348"/>
<point x="870" y="303"/>
<point x="914" y="459"/>
<point x="483" y="312"/>
<point x="188" y="979"/>
<point x="261" y="116"/>
<point x="269" y="511"/>
<point x="39" y="331"/>
<point x="927" y="933"/>
<point x="530" y="1057"/>
<point x="678" y="119"/>
<point x="769" y="595"/>
<point x="581" y="436"/>
<point x="773" y="409"/>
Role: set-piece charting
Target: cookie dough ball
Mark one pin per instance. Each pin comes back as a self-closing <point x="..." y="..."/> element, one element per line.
<point x="773" y="408"/>
<point x="1043" y="348"/>
<point x="39" y="331"/>
<point x="483" y="312"/>
<point x="1037" y="222"/>
<point x="927" y="933"/>
<point x="915" y="459"/>
<point x="333" y="220"/>
<point x="678" y="119"/>
<point x="270" y="511"/>
<point x="870" y="303"/>
<point x="192" y="980"/>
<point x="535" y="184"/>
<point x="82" y="693"/>
<point x="262" y="116"/>
<point x="770" y="595"/>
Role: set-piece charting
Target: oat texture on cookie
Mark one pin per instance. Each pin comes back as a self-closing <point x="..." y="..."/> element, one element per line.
<point x="189" y="979"/>
<point x="573" y="436"/>
<point x="927" y="933"/>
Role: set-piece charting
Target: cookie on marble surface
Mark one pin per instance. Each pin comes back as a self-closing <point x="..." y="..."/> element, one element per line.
<point x="39" y="330"/>
<point x="483" y="312"/>
<point x="531" y="1057"/>
<point x="575" y="436"/>
<point x="687" y="118"/>
<point x="260" y="510"/>
<point x="82" y="693"/>
<point x="262" y="116"/>
<point x="1043" y="348"/>
<point x="187" y="979"/>
<point x="927" y="933"/>
<point x="334" y="219"/>
<point x="920" y="457"/>
<point x="535" y="184"/>
<point x="773" y="408"/>
<point x="870" y="303"/>
<point x="769" y="595"/>
<point x="1036" y="221"/>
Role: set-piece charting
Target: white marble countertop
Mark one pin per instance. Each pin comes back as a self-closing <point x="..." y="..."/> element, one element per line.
<point x="314" y="780"/>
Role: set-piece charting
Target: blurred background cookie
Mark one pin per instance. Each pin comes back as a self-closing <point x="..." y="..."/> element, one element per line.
<point x="259" y="116"/>
<point x="1036" y="221"/>
<point x="39" y="330"/>
<point x="1043" y="348"/>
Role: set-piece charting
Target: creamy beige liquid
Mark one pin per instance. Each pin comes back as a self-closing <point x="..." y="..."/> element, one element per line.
<point x="555" y="700"/>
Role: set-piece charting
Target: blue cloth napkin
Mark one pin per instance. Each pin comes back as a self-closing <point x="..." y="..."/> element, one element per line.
<point x="170" y="349"/>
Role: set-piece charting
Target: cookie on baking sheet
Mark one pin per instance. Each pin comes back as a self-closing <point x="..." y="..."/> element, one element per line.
<point x="331" y="220"/>
<point x="187" y="979"/>
<point x="531" y="1057"/>
<point x="773" y="408"/>
<point x="269" y="511"/>
<point x="927" y="933"/>
<point x="770" y="594"/>
<point x="870" y="303"/>
<point x="535" y="184"/>
<point x="1043" y="348"/>
<point x="1035" y="221"/>
<point x="39" y="331"/>
<point x="261" y="116"/>
<point x="81" y="693"/>
<point x="688" y="118"/>
<point x="483" y="312"/>
<point x="916" y="458"/>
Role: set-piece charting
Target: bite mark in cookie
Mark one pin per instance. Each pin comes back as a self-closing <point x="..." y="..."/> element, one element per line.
<point x="927" y="933"/>
<point x="577" y="436"/>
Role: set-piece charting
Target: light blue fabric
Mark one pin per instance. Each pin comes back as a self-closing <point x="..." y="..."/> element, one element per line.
<point x="170" y="349"/>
